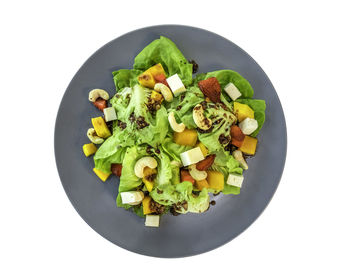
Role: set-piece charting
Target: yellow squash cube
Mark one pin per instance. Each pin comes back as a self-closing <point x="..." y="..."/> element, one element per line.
<point x="216" y="180"/>
<point x="147" y="180"/>
<point x="155" y="96"/>
<point x="146" y="79"/>
<point x="156" y="70"/>
<point x="89" y="149"/>
<point x="203" y="149"/>
<point x="102" y="175"/>
<point x="149" y="185"/>
<point x="100" y="127"/>
<point x="146" y="205"/>
<point x="187" y="137"/>
<point x="242" y="111"/>
<point x="249" y="145"/>
<point x="200" y="184"/>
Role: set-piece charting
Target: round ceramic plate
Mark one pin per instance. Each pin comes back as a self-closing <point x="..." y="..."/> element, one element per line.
<point x="183" y="235"/>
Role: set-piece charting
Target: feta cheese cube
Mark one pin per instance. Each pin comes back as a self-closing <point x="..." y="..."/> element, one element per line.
<point x="110" y="114"/>
<point x="152" y="221"/>
<point x="232" y="91"/>
<point x="192" y="156"/>
<point x="176" y="85"/>
<point x="132" y="197"/>
<point x="248" y="125"/>
<point x="235" y="180"/>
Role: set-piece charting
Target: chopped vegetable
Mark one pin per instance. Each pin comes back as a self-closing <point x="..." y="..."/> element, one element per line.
<point x="116" y="169"/>
<point x="100" y="103"/>
<point x="185" y="176"/>
<point x="89" y="149"/>
<point x="249" y="145"/>
<point x="100" y="127"/>
<point x="206" y="163"/>
<point x="146" y="79"/>
<point x="236" y="142"/>
<point x="237" y="133"/>
<point x="201" y="184"/>
<point x="103" y="176"/>
<point x="187" y="137"/>
<point x="149" y="174"/>
<point x="203" y="149"/>
<point x="216" y="180"/>
<point x="156" y="70"/>
<point x="161" y="79"/>
<point x="211" y="88"/>
<point x="155" y="96"/>
<point x="242" y="111"/>
<point x="146" y="205"/>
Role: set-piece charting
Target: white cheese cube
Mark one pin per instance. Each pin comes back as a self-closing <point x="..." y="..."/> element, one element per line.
<point x="176" y="85"/>
<point x="110" y="114"/>
<point x="152" y="220"/>
<point x="191" y="156"/>
<point x="248" y="125"/>
<point x="235" y="180"/>
<point x="232" y="91"/>
<point x="132" y="197"/>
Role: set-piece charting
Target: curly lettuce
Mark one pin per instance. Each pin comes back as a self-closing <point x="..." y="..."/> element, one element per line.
<point x="219" y="136"/>
<point x="164" y="51"/>
<point x="131" y="105"/>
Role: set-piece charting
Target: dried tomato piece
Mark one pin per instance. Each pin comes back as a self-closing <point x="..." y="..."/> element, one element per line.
<point x="211" y="88"/>
<point x="100" y="103"/>
<point x="116" y="169"/>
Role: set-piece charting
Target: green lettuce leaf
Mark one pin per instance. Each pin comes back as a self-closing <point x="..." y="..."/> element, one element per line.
<point x="226" y="76"/>
<point x="183" y="105"/>
<point x="172" y="149"/>
<point x="134" y="101"/>
<point x="181" y="195"/>
<point x="125" y="78"/>
<point x="259" y="108"/>
<point x="128" y="180"/>
<point x="164" y="51"/>
<point x="222" y="119"/>
<point x="108" y="153"/>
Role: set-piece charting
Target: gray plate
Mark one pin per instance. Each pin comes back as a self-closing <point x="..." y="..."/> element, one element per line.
<point x="183" y="235"/>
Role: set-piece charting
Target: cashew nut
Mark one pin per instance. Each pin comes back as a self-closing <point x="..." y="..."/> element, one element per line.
<point x="96" y="93"/>
<point x="237" y="154"/>
<point x="142" y="163"/>
<point x="92" y="135"/>
<point x="174" y="125"/>
<point x="198" y="116"/>
<point x="176" y="163"/>
<point x="197" y="174"/>
<point x="168" y="95"/>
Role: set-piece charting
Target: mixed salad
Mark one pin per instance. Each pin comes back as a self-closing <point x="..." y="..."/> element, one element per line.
<point x="172" y="137"/>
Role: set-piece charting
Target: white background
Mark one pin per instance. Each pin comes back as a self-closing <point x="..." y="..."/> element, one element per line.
<point x="303" y="46"/>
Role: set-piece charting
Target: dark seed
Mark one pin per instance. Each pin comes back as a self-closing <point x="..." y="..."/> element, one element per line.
<point x="194" y="66"/>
